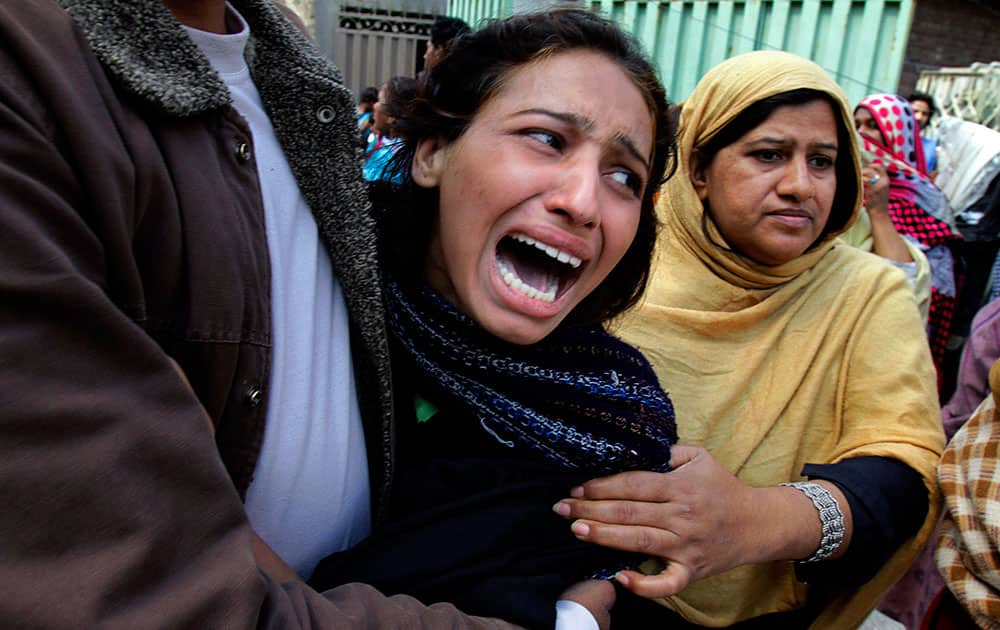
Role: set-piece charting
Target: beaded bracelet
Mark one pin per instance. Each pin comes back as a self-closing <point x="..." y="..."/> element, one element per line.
<point x="830" y="517"/>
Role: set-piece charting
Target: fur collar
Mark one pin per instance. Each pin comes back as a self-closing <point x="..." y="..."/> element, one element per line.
<point x="141" y="44"/>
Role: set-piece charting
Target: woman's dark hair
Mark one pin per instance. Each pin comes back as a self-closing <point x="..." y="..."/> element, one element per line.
<point x="927" y="98"/>
<point x="369" y="96"/>
<point x="400" y="92"/>
<point x="472" y="72"/>
<point x="757" y="113"/>
<point x="445" y="29"/>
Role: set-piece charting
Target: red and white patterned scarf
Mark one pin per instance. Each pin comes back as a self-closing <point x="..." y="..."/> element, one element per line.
<point x="902" y="154"/>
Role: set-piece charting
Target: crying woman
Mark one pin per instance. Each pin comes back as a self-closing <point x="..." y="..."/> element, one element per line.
<point x="523" y="224"/>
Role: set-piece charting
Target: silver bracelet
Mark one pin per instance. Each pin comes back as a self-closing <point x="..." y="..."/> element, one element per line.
<point x="830" y="517"/>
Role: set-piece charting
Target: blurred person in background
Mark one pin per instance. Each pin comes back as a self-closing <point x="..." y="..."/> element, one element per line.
<point x="918" y="209"/>
<point x="924" y="111"/>
<point x="366" y="105"/>
<point x="393" y="99"/>
<point x="443" y="31"/>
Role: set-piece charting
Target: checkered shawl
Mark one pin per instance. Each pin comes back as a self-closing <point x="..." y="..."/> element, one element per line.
<point x="968" y="551"/>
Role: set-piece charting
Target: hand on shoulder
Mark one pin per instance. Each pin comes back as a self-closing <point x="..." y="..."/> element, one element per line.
<point x="696" y="518"/>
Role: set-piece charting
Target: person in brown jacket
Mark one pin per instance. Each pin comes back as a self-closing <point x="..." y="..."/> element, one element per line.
<point x="192" y="341"/>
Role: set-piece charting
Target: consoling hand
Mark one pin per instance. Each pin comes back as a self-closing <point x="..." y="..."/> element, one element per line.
<point x="698" y="518"/>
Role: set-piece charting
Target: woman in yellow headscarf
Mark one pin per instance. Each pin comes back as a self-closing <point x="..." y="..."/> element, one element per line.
<point x="788" y="355"/>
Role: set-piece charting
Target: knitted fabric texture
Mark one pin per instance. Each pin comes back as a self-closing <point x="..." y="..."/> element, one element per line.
<point x="580" y="397"/>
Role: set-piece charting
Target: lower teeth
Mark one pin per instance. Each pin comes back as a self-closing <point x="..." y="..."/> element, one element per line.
<point x="512" y="280"/>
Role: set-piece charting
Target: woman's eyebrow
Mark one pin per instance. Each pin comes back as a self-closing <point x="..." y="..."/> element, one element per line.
<point x="582" y="122"/>
<point x="772" y="141"/>
<point x="785" y="142"/>
<point x="586" y="124"/>
<point x="629" y="146"/>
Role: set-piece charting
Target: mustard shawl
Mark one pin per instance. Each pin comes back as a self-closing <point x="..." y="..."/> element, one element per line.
<point x="772" y="367"/>
<point x="860" y="236"/>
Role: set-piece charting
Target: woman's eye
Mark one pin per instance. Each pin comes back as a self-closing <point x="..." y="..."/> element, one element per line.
<point x="821" y="161"/>
<point x="545" y="137"/>
<point x="769" y="155"/>
<point x="629" y="180"/>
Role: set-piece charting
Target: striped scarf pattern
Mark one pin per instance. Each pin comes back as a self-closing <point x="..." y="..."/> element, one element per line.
<point x="580" y="398"/>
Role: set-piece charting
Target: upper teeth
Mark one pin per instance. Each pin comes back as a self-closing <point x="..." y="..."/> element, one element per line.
<point x="552" y="252"/>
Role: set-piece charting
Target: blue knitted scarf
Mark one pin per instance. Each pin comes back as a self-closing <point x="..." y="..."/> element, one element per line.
<point x="580" y="397"/>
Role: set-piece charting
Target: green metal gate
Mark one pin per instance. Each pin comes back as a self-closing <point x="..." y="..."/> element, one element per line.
<point x="861" y="43"/>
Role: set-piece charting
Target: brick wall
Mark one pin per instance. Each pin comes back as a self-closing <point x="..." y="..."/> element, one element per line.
<point x="950" y="33"/>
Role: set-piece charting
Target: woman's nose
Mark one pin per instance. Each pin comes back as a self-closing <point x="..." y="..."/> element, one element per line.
<point x="577" y="195"/>
<point x="796" y="181"/>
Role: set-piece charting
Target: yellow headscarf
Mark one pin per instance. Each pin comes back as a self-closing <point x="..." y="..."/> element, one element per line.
<point x="772" y="367"/>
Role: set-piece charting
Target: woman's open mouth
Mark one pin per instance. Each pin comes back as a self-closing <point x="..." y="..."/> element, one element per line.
<point x="535" y="269"/>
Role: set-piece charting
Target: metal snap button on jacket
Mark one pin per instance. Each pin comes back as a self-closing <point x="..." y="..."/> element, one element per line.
<point x="243" y="151"/>
<point x="254" y="395"/>
<point x="325" y="114"/>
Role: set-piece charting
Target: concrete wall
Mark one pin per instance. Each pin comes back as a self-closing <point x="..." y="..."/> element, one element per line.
<point x="950" y="33"/>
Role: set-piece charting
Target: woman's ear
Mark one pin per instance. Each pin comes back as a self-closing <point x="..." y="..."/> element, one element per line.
<point x="698" y="179"/>
<point x="428" y="162"/>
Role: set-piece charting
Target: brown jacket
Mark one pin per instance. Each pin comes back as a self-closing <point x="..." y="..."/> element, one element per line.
<point x="131" y="232"/>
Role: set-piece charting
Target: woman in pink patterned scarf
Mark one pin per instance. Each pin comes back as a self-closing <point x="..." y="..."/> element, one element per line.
<point x="918" y="208"/>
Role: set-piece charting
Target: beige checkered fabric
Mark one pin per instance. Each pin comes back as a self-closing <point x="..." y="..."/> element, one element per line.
<point x="968" y="551"/>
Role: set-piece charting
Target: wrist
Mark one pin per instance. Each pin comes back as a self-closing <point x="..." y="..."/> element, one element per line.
<point x="790" y="525"/>
<point x="877" y="209"/>
<point x="781" y="526"/>
<point x="831" y="518"/>
<point x="572" y="615"/>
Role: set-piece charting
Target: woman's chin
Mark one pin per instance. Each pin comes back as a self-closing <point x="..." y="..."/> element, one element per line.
<point x="518" y="322"/>
<point x="523" y="334"/>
